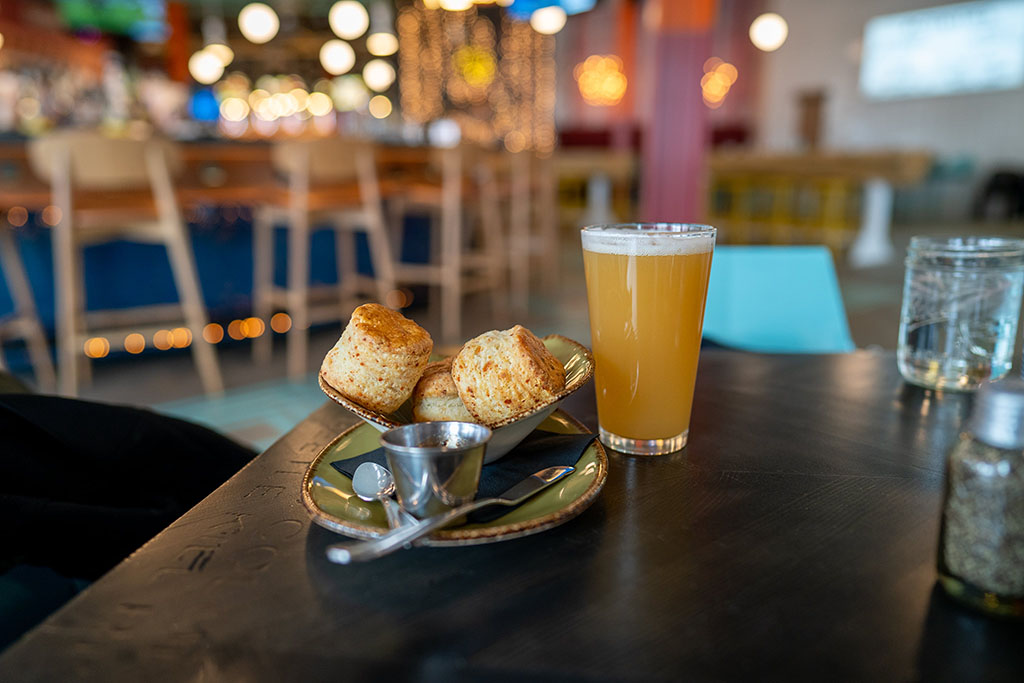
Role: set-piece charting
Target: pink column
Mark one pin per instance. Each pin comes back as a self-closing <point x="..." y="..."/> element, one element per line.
<point x="676" y="138"/>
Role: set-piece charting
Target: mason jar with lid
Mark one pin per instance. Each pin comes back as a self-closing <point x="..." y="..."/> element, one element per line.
<point x="961" y="301"/>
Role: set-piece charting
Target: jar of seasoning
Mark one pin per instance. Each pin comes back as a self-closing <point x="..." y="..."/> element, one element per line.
<point x="981" y="542"/>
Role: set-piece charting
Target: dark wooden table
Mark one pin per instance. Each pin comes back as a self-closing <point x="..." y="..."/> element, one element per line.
<point x="793" y="539"/>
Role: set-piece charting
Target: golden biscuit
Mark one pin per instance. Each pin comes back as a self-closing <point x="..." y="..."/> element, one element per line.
<point x="503" y="374"/>
<point x="378" y="359"/>
<point x="436" y="397"/>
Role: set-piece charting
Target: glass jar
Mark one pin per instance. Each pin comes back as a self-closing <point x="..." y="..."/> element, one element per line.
<point x="981" y="541"/>
<point x="961" y="301"/>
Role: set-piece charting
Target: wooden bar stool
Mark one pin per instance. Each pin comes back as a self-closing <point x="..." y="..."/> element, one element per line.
<point x="330" y="181"/>
<point x="24" y="322"/>
<point x="471" y="253"/>
<point x="109" y="189"/>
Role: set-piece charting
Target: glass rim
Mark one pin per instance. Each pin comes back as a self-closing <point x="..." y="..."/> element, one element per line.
<point x="652" y="229"/>
<point x="973" y="245"/>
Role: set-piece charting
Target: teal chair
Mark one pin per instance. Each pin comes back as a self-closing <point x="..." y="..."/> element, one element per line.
<point x="776" y="300"/>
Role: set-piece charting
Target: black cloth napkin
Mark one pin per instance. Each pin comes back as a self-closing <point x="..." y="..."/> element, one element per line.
<point x="537" y="451"/>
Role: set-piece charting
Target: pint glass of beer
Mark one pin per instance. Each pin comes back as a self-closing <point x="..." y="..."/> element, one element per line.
<point x="646" y="287"/>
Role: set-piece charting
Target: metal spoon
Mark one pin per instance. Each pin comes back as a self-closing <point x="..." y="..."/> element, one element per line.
<point x="372" y="482"/>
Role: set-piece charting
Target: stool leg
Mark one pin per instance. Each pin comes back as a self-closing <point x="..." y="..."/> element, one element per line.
<point x="494" y="248"/>
<point x="519" y="222"/>
<point x="186" y="278"/>
<point x="547" y="220"/>
<point x="25" y="307"/>
<point x="297" y="349"/>
<point x="381" y="255"/>
<point x="66" y="316"/>
<point x="263" y="282"/>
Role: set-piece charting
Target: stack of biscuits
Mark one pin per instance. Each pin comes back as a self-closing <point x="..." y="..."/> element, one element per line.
<point x="382" y="359"/>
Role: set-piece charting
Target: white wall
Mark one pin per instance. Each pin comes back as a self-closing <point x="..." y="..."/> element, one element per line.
<point x="822" y="53"/>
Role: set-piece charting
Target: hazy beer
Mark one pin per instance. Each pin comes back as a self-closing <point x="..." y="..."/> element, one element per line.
<point x="646" y="287"/>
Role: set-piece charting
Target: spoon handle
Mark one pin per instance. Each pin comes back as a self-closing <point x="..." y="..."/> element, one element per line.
<point x="347" y="553"/>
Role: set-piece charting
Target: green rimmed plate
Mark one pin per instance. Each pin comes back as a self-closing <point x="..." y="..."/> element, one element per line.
<point x="339" y="509"/>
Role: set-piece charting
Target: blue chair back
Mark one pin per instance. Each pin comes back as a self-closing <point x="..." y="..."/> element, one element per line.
<point x="776" y="300"/>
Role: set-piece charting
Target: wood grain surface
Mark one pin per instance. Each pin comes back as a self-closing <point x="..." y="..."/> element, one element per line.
<point x="793" y="539"/>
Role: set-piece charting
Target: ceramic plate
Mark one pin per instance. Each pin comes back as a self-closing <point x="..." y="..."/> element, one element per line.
<point x="579" y="367"/>
<point x="341" y="510"/>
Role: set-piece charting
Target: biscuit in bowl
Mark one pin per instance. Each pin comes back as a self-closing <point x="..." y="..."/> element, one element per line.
<point x="502" y="374"/>
<point x="378" y="359"/>
<point x="436" y="398"/>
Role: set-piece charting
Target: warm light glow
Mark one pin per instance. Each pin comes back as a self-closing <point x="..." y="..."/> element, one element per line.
<point x="234" y="109"/>
<point x="378" y="75"/>
<point x="718" y="78"/>
<point x="548" y="20"/>
<point x="476" y="65"/>
<point x="258" y="23"/>
<point x="213" y="333"/>
<point x="97" y="347"/>
<point x="350" y="93"/>
<point x="431" y="4"/>
<point x="17" y="216"/>
<point x="337" y="57"/>
<point x="205" y="67"/>
<point x="222" y="52"/>
<point x="380" y="107"/>
<point x="254" y="327"/>
<point x="600" y="80"/>
<point x="181" y="337"/>
<point x="134" y="343"/>
<point x="728" y="71"/>
<point x="455" y="5"/>
<point x="768" y="32"/>
<point x="163" y="340"/>
<point x="280" y="322"/>
<point x="348" y="19"/>
<point x="319" y="104"/>
<point x="382" y="44"/>
<point x="52" y="215"/>
<point x="396" y="299"/>
<point x="237" y="329"/>
<point x="1" y="41"/>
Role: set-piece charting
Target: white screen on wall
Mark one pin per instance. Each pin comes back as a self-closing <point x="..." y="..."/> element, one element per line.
<point x="967" y="47"/>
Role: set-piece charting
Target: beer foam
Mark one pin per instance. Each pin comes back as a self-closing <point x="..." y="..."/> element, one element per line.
<point x="629" y="242"/>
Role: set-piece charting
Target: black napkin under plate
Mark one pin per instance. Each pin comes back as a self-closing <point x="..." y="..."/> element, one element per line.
<point x="537" y="451"/>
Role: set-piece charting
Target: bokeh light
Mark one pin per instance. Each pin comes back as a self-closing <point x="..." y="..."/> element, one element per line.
<point x="348" y="19"/>
<point x="280" y="322"/>
<point x="378" y="75"/>
<point x="382" y="44"/>
<point x="205" y="67"/>
<point x="600" y="80"/>
<point x="134" y="343"/>
<point x="97" y="347"/>
<point x="213" y="333"/>
<point x="768" y="32"/>
<point x="258" y="23"/>
<point x="548" y="20"/>
<point x="380" y="107"/>
<point x="337" y="57"/>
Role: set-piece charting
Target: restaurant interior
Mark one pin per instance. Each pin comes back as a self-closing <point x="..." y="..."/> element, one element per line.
<point x="196" y="194"/>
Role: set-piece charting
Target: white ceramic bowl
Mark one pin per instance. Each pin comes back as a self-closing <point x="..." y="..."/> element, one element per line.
<point x="579" y="367"/>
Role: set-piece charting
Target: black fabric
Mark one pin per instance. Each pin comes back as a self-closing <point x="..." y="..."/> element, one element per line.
<point x="537" y="451"/>
<point x="83" y="484"/>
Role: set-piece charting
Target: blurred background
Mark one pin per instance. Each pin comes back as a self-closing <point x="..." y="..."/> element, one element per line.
<point x="195" y="194"/>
